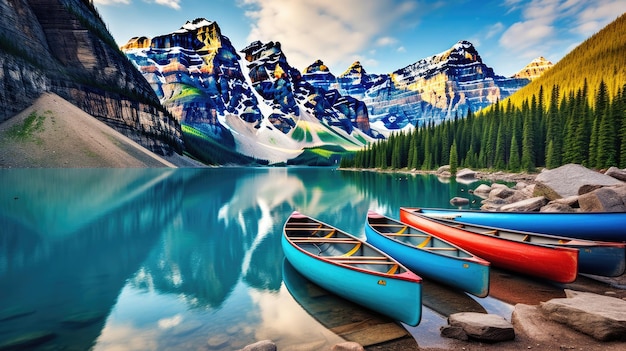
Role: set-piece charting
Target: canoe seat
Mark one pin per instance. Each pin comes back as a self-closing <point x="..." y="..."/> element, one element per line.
<point x="353" y="251"/>
<point x="491" y="232"/>
<point x="401" y="231"/>
<point x="424" y="243"/>
<point x="393" y="269"/>
<point x="526" y="238"/>
<point x="330" y="234"/>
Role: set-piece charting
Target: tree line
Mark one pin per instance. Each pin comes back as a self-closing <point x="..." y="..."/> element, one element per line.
<point x="547" y="130"/>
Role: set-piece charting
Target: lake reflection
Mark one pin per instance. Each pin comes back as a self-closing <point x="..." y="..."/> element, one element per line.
<point x="156" y="259"/>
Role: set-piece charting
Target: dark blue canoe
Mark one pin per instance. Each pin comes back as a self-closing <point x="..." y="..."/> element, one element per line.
<point x="602" y="226"/>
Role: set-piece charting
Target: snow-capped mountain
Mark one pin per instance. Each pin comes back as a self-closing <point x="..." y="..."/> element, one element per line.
<point x="432" y="89"/>
<point x="257" y="105"/>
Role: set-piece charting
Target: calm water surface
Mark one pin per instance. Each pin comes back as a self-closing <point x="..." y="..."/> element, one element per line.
<point x="186" y="259"/>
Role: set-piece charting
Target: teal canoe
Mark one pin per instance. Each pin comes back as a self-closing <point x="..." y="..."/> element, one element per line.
<point x="429" y="256"/>
<point x="351" y="268"/>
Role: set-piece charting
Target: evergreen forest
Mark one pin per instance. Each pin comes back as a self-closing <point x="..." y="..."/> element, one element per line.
<point x="549" y="129"/>
<point x="574" y="113"/>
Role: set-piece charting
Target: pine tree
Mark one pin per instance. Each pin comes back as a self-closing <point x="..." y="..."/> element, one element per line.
<point x="514" y="159"/>
<point x="554" y="131"/>
<point x="528" y="153"/>
<point x="454" y="159"/>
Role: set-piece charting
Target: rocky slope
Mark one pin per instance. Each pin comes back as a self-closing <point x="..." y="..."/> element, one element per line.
<point x="257" y="104"/>
<point x="63" y="47"/>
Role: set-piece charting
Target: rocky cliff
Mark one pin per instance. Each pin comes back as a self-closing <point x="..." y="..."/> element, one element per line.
<point x="62" y="46"/>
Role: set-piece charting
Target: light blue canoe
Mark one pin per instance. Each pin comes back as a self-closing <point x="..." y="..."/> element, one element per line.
<point x="427" y="255"/>
<point x="603" y="226"/>
<point x="351" y="268"/>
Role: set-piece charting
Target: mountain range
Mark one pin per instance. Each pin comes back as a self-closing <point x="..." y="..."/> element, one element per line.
<point x="260" y="106"/>
<point x="192" y="90"/>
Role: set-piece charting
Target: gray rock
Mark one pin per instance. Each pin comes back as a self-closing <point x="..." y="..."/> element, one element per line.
<point x="459" y="201"/>
<point x="263" y="345"/>
<point x="348" y="346"/>
<point x="602" y="317"/>
<point x="455" y="332"/>
<point x="466" y="173"/>
<point x="482" y="190"/>
<point x="532" y="204"/>
<point x="501" y="192"/>
<point x="602" y="200"/>
<point x="442" y="169"/>
<point x="554" y="206"/>
<point x="482" y="326"/>
<point x="616" y="173"/>
<point x="493" y="205"/>
<point x="565" y="181"/>
<point x="520" y="185"/>
<point x="571" y="201"/>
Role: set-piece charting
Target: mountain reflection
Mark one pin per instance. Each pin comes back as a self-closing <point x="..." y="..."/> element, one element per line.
<point x="86" y="254"/>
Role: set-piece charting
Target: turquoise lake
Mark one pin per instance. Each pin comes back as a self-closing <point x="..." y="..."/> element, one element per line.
<point x="186" y="259"/>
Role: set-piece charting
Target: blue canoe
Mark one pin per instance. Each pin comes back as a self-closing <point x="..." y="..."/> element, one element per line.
<point x="352" y="268"/>
<point x="428" y="255"/>
<point x="603" y="226"/>
<point x="594" y="257"/>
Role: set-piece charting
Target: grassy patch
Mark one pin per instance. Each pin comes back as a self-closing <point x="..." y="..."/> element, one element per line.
<point x="26" y="130"/>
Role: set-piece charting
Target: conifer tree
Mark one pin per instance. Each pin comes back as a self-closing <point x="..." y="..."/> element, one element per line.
<point x="528" y="153"/>
<point x="454" y="159"/>
<point x="514" y="159"/>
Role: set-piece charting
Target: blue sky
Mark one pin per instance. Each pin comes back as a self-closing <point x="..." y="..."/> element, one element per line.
<point x="384" y="35"/>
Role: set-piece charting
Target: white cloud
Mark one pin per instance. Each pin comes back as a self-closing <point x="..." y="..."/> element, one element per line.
<point x="593" y="18"/>
<point x="386" y="41"/>
<point x="335" y="31"/>
<point x="494" y="29"/>
<point x="401" y="49"/>
<point x="542" y="21"/>
<point x="175" y="4"/>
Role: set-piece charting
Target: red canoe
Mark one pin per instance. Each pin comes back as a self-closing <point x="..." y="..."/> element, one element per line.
<point x="559" y="264"/>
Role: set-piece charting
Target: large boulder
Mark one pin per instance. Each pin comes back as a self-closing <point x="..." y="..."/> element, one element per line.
<point x="466" y="173"/>
<point x="479" y="326"/>
<point x="602" y="317"/>
<point x="608" y="199"/>
<point x="616" y="173"/>
<point x="566" y="180"/>
<point x="532" y="204"/>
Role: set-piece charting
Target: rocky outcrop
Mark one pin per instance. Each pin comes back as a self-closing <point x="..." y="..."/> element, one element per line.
<point x="62" y="46"/>
<point x="478" y="326"/>
<point x="551" y="184"/>
<point x="535" y="69"/>
<point x="572" y="188"/>
<point x="601" y="317"/>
